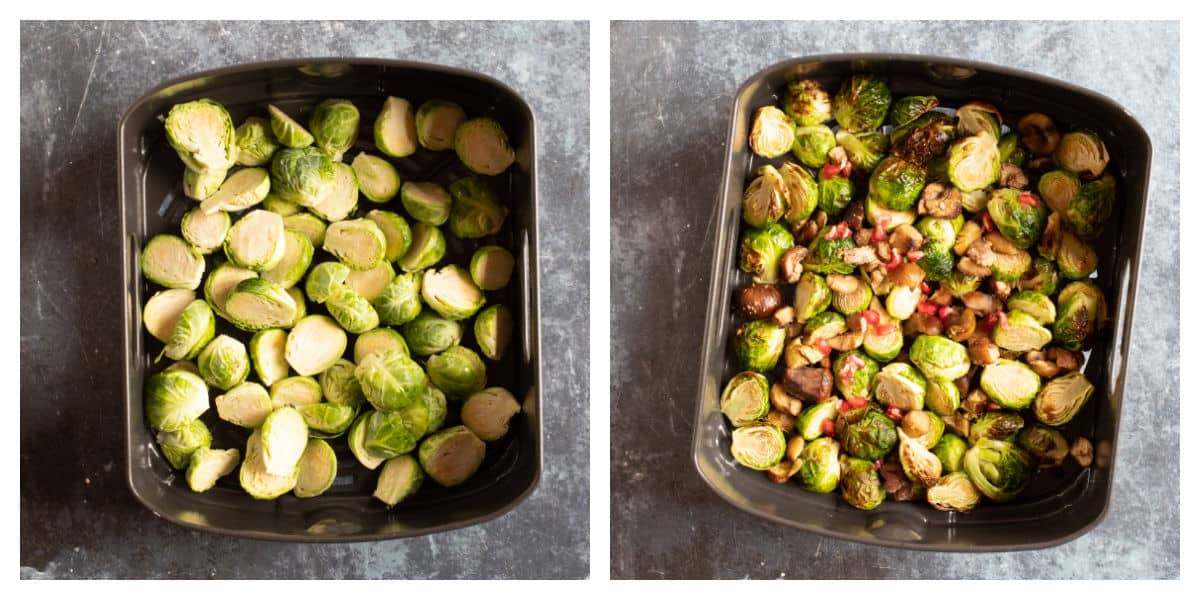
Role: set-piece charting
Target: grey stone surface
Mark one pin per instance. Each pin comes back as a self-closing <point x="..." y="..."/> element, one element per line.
<point x="672" y="86"/>
<point x="78" y="518"/>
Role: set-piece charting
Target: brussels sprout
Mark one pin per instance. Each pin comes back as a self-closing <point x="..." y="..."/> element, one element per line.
<point x="370" y="284"/>
<point x="256" y="241"/>
<point x="327" y="419"/>
<point x="866" y="433"/>
<point x="391" y="380"/>
<point x="193" y="330"/>
<point x="896" y="183"/>
<point x="255" y="142"/>
<point x="939" y="358"/>
<point x="483" y="147"/>
<point x="1082" y="152"/>
<point x="1080" y="310"/>
<point x="334" y="127"/>
<point x="220" y="282"/>
<point x="476" y="211"/>
<point x="281" y="207"/>
<point x="1009" y="383"/>
<point x="241" y="190"/>
<point x="400" y="300"/>
<point x="171" y="262"/>
<point x="297" y="255"/>
<point x="429" y="333"/>
<point x="812" y="296"/>
<point x="812" y="143"/>
<point x="179" y="445"/>
<point x="487" y="413"/>
<point x="950" y="450"/>
<point x="1045" y="445"/>
<point x="356" y="439"/>
<point x="1058" y="188"/>
<point x="426" y="202"/>
<point x="459" y="372"/>
<point x="746" y="398"/>
<point x="435" y="403"/>
<point x="998" y="469"/>
<point x="205" y="232"/>
<point x="853" y="302"/>
<point x="959" y="284"/>
<point x="342" y="199"/>
<point x="396" y="128"/>
<point x="352" y="311"/>
<point x="942" y="397"/>
<point x="493" y="331"/>
<point x="884" y="342"/>
<point x="765" y="199"/>
<point x="801" y="192"/>
<point x="864" y="150"/>
<point x="902" y="302"/>
<point x="451" y="292"/>
<point x="810" y="424"/>
<point x="976" y="116"/>
<point x="939" y="233"/>
<point x="340" y="386"/>
<point x="208" y="465"/>
<point x="758" y="344"/>
<point x="491" y="267"/>
<point x="862" y="103"/>
<point x="400" y="478"/>
<point x="1021" y="333"/>
<point x="1019" y="216"/>
<point x="245" y="405"/>
<point x="318" y="468"/>
<point x="907" y="109"/>
<point x="834" y="192"/>
<point x="284" y="437"/>
<point x="162" y="312"/>
<point x="1000" y="425"/>
<point x="771" y="132"/>
<point x="377" y="179"/>
<point x="860" y="484"/>
<point x="974" y="162"/>
<point x="308" y="225"/>
<point x="759" y="447"/>
<point x="324" y="280"/>
<point x="314" y="344"/>
<point x="937" y="262"/>
<point x="761" y="251"/>
<point x="224" y="363"/>
<point x="301" y="305"/>
<point x="287" y="130"/>
<point x="953" y="492"/>
<point x="877" y="214"/>
<point x="901" y="386"/>
<point x="202" y="133"/>
<point x="824" y="325"/>
<point x="359" y="243"/>
<point x="819" y="469"/>
<point x="378" y="340"/>
<point x="200" y="185"/>
<point x="255" y="478"/>
<point x="1033" y="304"/>
<point x="825" y="255"/>
<point x="418" y="416"/>
<point x="302" y="175"/>
<point x="427" y="249"/>
<point x="451" y="456"/>
<point x="295" y="391"/>
<point x="807" y="102"/>
<point x="1041" y="278"/>
<point x="919" y="464"/>
<point x="1075" y="258"/>
<point x="436" y="121"/>
<point x="1062" y="398"/>
<point x="923" y="141"/>
<point x="174" y="398"/>
<point x="853" y="380"/>
<point x="1090" y="209"/>
<point x="256" y="304"/>
<point x="923" y="427"/>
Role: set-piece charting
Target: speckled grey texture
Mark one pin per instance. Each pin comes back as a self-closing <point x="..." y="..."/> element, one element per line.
<point x="78" y="518"/>
<point x="672" y="89"/>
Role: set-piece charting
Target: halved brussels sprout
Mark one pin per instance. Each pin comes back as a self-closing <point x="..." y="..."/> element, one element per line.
<point x="459" y="372"/>
<point x="1018" y="215"/>
<point x="974" y="162"/>
<point x="427" y="249"/>
<point x="771" y="132"/>
<point x="324" y="280"/>
<point x="284" y="437"/>
<point x="491" y="267"/>
<point x="436" y="408"/>
<point x="429" y="333"/>
<point x="807" y="102"/>
<point x="297" y="255"/>
<point x="281" y="207"/>
<point x="1082" y="152"/>
<point x="301" y="305"/>
<point x="255" y="478"/>
<point x="483" y="147"/>
<point x="862" y="103"/>
<point x="171" y="262"/>
<point x="746" y="398"/>
<point x="302" y="175"/>
<point x="976" y="116"/>
<point x="1021" y="333"/>
<point x="942" y="397"/>
<point x="819" y="467"/>
<point x="852" y="373"/>
<point x="1010" y="384"/>
<point x="426" y="202"/>
<point x="206" y="232"/>
<point x="953" y="492"/>
<point x="342" y="199"/>
<point x="883" y="342"/>
<point x="937" y="262"/>
<point x="339" y="384"/>
<point x="860" y="484"/>
<point x="863" y="150"/>
<point x="400" y="478"/>
<point x="287" y="130"/>
<point x="451" y="293"/>
<point x="202" y="133"/>
<point x="370" y="284"/>
<point x="257" y="304"/>
<point x="223" y="363"/>
<point x="208" y="465"/>
<point x="193" y="330"/>
<point x="761" y="251"/>
<point x="824" y="325"/>
<point x="1090" y="209"/>
<point x="436" y="121"/>
<point x="950" y="450"/>
<point x="245" y="405"/>
<point x="314" y="344"/>
<point x="877" y="214"/>
<point x="1010" y="267"/>
<point x="352" y="311"/>
<point x="243" y="189"/>
<point x="307" y="224"/>
<point x="1075" y="258"/>
<point x="810" y="424"/>
<point x="900" y="385"/>
<point x="179" y="445"/>
<point x="391" y="380"/>
<point x="476" y="210"/>
<point x="1062" y="398"/>
<point x="896" y="183"/>
<point x="359" y="243"/>
<point x="866" y="433"/>
<point x="255" y="141"/>
<point x="334" y="127"/>
<point x="812" y="296"/>
<point x="998" y="469"/>
<point x="1081" y="308"/>
<point x="998" y="425"/>
<point x="812" y="144"/>
<point x="825" y="255"/>
<point x="758" y="344"/>
<point x="400" y="300"/>
<point x="356" y="439"/>
<point x="295" y="391"/>
<point x="396" y="128"/>
<point x="923" y="427"/>
<point x="318" y="469"/>
<point x="1011" y="150"/>
<point x="162" y="312"/>
<point x="451" y="456"/>
<point x="757" y="447"/>
<point x="1058" y="188"/>
<point x="1041" y="278"/>
<point x="801" y="192"/>
<point x="174" y="398"/>
<point x="939" y="358"/>
<point x="221" y="281"/>
<point x="919" y="464"/>
<point x="256" y="241"/>
<point x="1034" y="304"/>
<point x="765" y="199"/>
<point x="378" y="340"/>
<point x="906" y="110"/>
<point x="1045" y="445"/>
<point x="327" y="419"/>
<point x="834" y="192"/>
<point x="488" y="412"/>
<point x="493" y="331"/>
<point x="377" y="179"/>
<point x="975" y="201"/>
<point x="198" y="185"/>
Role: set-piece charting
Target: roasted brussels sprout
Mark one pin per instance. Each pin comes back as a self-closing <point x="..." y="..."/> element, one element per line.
<point x="1058" y="188"/>
<point x="900" y="385"/>
<point x="812" y="144"/>
<point x="939" y="358"/>
<point x="1080" y="310"/>
<point x="766" y="198"/>
<point x="950" y="450"/>
<point x="998" y="425"/>
<point x="862" y="103"/>
<point x="1082" y="152"/>
<point x="1090" y="209"/>
<point x="923" y="141"/>
<point x="863" y="150"/>
<point x="977" y="116"/>
<point x="920" y="465"/>
<point x="883" y="342"/>
<point x="1045" y="445"/>
<point x="1033" y="304"/>
<point x="825" y="252"/>
<point x="1010" y="384"/>
<point x="801" y="193"/>
<point x="896" y="183"/>
<point x="758" y="447"/>
<point x="834" y="192"/>
<point x="1041" y="278"/>
<point x="974" y="162"/>
<point x="866" y="433"/>
<point x="746" y="398"/>
<point x="907" y="109"/>
<point x="998" y="469"/>
<point x="860" y="484"/>
<point x="812" y="296"/>
<point x="953" y="492"/>
<point x="1062" y="398"/>
<point x="1021" y="332"/>
<point x="855" y="300"/>
<point x="923" y="427"/>
<point x="853" y="372"/>
<point x="758" y="344"/>
<point x="761" y="251"/>
<point x="807" y="103"/>
<point x="820" y="470"/>
<point x="334" y="126"/>
<point x="1011" y="151"/>
<point x="771" y="132"/>
<point x="202" y="133"/>
<point x="1019" y="216"/>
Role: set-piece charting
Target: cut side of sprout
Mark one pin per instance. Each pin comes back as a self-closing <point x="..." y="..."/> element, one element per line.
<point x="451" y="293"/>
<point x="309" y="225"/>
<point x="297" y="390"/>
<point x="396" y="128"/>
<point x="437" y="120"/>
<point x="358" y="243"/>
<point x="257" y="304"/>
<point x="171" y="262"/>
<point x="370" y="283"/>
<point x="314" y="344"/>
<point x="342" y="199"/>
<point x="162" y="312"/>
<point x="493" y="330"/>
<point x="428" y="247"/>
<point x="289" y="132"/>
<point x="297" y="255"/>
<point x="318" y="469"/>
<point x="451" y="456"/>
<point x="491" y="267"/>
<point x="396" y="230"/>
<point x="193" y="330"/>
<point x="255" y="241"/>
<point x="200" y="185"/>
<point x="483" y="146"/>
<point x="487" y="413"/>
<point x="357" y="442"/>
<point x="400" y="478"/>
<point x="243" y="189"/>
<point x="209" y="465"/>
<point x="220" y="283"/>
<point x="284" y="437"/>
<point x="206" y="232"/>
<point x="254" y="477"/>
<point x="377" y="179"/>
<point x="378" y="340"/>
<point x="427" y="202"/>
<point x="246" y="405"/>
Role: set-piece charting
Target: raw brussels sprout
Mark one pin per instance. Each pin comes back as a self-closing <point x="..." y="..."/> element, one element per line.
<point x="459" y="372"/>
<point x="202" y="133"/>
<point x="1090" y="209"/>
<point x="853" y="302"/>
<point x="224" y="363"/>
<point x="309" y="225"/>
<point x="162" y="312"/>
<point x="902" y="302"/>
<point x="1018" y="215"/>
<point x="758" y="344"/>
<point x="220" y="282"/>
<point x="434" y="408"/>
<point x="396" y="128"/>
<point x="246" y="405"/>
<point x="426" y="202"/>
<point x="400" y="301"/>
<point x="324" y="280"/>
<point x="356" y="439"/>
<point x="179" y="445"/>
<point x="284" y="437"/>
<point x="896" y="183"/>
<point x="483" y="147"/>
<point x="429" y="333"/>
<point x="1046" y="446"/>
<point x="771" y="132"/>
<point x="950" y="450"/>
<point x="174" y="399"/>
<point x="342" y="200"/>
<point x="974" y="162"/>
<point x="302" y="175"/>
<point x="939" y="358"/>
<point x="919" y="464"/>
<point x="301" y="305"/>
<point x="819" y="469"/>
<point x="295" y="391"/>
<point x="758" y="447"/>
<point x="810" y="425"/>
<point x="762" y="249"/>
<point x="314" y="344"/>
<point x="1034" y="304"/>
<point x="834" y="192"/>
<point x="1021" y="333"/>
<point x="746" y="398"/>
<point x="256" y="241"/>
<point x="862" y="103"/>
<point x="493" y="330"/>
<point x="877" y="213"/>
<point x="391" y="380"/>
<point x="243" y="189"/>
<point x="900" y="385"/>
<point x="427" y="249"/>
<point x="400" y="478"/>
<point x="976" y="116"/>
<point x="487" y="413"/>
<point x="257" y="304"/>
<point x="334" y="127"/>
<point x="998" y="469"/>
<point x="281" y="207"/>
<point x="255" y="478"/>
<point x="451" y="293"/>
<point x="395" y="230"/>
<point x="923" y="427"/>
<point x="1010" y="384"/>
<point x="825" y="255"/>
<point x="451" y="456"/>
<point x="766" y="198"/>
<point x="389" y="434"/>
<point x="999" y="425"/>
<point x="1058" y="188"/>
<point x="193" y="330"/>
<point x="476" y="211"/>
<point x="860" y="484"/>
<point x="437" y="120"/>
<point x="327" y="419"/>
<point x="352" y="311"/>
<point x="297" y="255"/>
<point x="884" y="342"/>
<point x="359" y="243"/>
<point x="208" y="465"/>
<point x="866" y="433"/>
<point x="807" y="102"/>
<point x="205" y="232"/>
<point x="801" y="192"/>
<point x="1080" y="310"/>
<point x="907" y="109"/>
<point x="378" y="340"/>
<point x="318" y="467"/>
<point x="812" y="296"/>
<point x="255" y="141"/>
<point x="1062" y="398"/>
<point x="953" y="492"/>
<point x="171" y="262"/>
<point x="287" y="130"/>
<point x="370" y="284"/>
<point x="812" y="143"/>
<point x="377" y="179"/>
<point x="850" y="378"/>
<point x="942" y="397"/>
<point x="491" y="267"/>
<point x="824" y="325"/>
<point x="200" y="185"/>
<point x="1041" y="278"/>
<point x="864" y="150"/>
<point x="340" y="386"/>
<point x="1082" y="152"/>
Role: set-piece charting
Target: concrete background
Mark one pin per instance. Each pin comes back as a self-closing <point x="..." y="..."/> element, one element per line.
<point x="78" y="518"/>
<point x="672" y="89"/>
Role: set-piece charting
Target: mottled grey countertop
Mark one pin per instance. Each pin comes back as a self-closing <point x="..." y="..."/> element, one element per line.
<point x="78" y="518"/>
<point x="672" y="90"/>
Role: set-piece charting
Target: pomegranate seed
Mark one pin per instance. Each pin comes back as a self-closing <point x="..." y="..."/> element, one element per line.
<point x="884" y="220"/>
<point x="830" y="171"/>
<point x="879" y="234"/>
<point x="885" y="329"/>
<point x="871" y="316"/>
<point x="827" y="427"/>
<point x="832" y="234"/>
<point x="854" y="360"/>
<point x="993" y="407"/>
<point x="846" y="169"/>
<point x="894" y="413"/>
<point x="843" y="407"/>
<point x="915" y="255"/>
<point x="822" y="346"/>
<point x="945" y="312"/>
<point x="1002" y="317"/>
<point x="1029" y="200"/>
<point x="925" y="288"/>
<point x="846" y="372"/>
<point x="988" y="225"/>
<point x="893" y="264"/>
<point x="856" y="401"/>
<point x="927" y="308"/>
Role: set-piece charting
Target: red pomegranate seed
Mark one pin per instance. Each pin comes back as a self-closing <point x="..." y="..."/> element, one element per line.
<point x="993" y="407"/>
<point x="894" y="413"/>
<point x="855" y="361"/>
<point x="988" y="225"/>
<point x="832" y="234"/>
<point x="884" y="220"/>
<point x="846" y="169"/>
<point x="893" y="264"/>
<point x="945" y="312"/>
<point x="1002" y="318"/>
<point x="871" y="316"/>
<point x="846" y="372"/>
<point x="856" y="401"/>
<point x="925" y="288"/>
<point x="1029" y="200"/>
<point x="927" y="308"/>
<point x="843" y="407"/>
<point x="822" y="346"/>
<point x="915" y="255"/>
<point x="879" y="234"/>
<point x="830" y="171"/>
<point x="885" y="329"/>
<point x="827" y="427"/>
